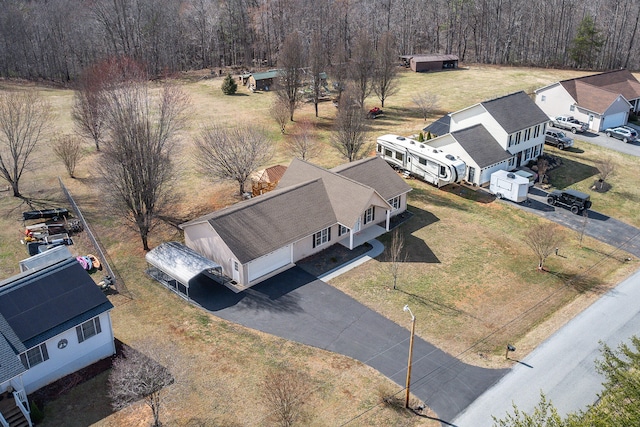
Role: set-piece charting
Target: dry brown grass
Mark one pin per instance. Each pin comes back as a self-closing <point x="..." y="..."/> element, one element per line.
<point x="460" y="292"/>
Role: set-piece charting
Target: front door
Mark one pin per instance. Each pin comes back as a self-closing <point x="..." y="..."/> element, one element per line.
<point x="472" y="174"/>
<point x="236" y="270"/>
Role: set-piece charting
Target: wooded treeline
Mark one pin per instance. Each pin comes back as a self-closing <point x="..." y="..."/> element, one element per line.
<point x="57" y="39"/>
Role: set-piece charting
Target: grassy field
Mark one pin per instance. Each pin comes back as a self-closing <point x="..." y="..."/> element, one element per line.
<point x="470" y="280"/>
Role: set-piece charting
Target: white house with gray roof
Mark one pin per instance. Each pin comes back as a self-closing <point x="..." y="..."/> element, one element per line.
<point x="502" y="133"/>
<point x="54" y="320"/>
<point x="311" y="209"/>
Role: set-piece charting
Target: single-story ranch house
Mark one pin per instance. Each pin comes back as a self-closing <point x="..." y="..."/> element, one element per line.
<point x="311" y="209"/>
<point x="54" y="320"/>
<point x="601" y="100"/>
<point x="499" y="134"/>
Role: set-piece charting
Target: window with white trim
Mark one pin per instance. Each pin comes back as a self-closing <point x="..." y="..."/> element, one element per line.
<point x="536" y="131"/>
<point x="369" y="215"/>
<point x="518" y="136"/>
<point x="34" y="356"/>
<point x="88" y="329"/>
<point x="527" y="134"/>
<point x="342" y="230"/>
<point x="322" y="237"/>
<point x="572" y="108"/>
<point x="395" y="203"/>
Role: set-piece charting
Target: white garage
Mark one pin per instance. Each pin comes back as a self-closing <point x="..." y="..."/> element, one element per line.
<point x="269" y="263"/>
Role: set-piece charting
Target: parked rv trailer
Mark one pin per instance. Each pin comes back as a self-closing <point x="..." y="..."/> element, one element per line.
<point x="427" y="163"/>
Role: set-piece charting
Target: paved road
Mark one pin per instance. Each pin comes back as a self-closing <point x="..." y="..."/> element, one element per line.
<point x="297" y="306"/>
<point x="563" y="366"/>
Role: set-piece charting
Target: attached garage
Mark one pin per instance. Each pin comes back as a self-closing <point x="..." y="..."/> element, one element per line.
<point x="613" y="120"/>
<point x="269" y="263"/>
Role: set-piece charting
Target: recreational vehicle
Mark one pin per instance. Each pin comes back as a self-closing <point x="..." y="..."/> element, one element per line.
<point x="427" y="163"/>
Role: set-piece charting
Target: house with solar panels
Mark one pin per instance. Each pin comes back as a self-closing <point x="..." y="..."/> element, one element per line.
<point x="54" y="320"/>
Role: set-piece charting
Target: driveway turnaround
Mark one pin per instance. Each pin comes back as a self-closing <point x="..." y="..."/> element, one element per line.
<point x="563" y="366"/>
<point x="299" y="307"/>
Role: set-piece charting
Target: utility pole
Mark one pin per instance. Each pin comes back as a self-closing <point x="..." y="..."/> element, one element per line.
<point x="413" y="331"/>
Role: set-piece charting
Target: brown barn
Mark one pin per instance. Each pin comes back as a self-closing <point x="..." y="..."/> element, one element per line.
<point x="436" y="62"/>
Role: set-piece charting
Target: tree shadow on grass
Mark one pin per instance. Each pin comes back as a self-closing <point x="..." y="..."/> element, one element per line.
<point x="581" y="283"/>
<point x="415" y="248"/>
<point x="571" y="172"/>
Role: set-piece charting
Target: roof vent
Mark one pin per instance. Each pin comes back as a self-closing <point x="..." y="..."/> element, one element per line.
<point x="450" y="157"/>
<point x="511" y="175"/>
<point x="421" y="146"/>
<point x="400" y="138"/>
<point x="412" y="142"/>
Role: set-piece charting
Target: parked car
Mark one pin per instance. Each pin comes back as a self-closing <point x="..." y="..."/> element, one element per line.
<point x="557" y="138"/>
<point x="574" y="200"/>
<point x="623" y="133"/>
<point x="568" y="123"/>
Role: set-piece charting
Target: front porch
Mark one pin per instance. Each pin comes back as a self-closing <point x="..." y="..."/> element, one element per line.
<point x="14" y="409"/>
<point x="353" y="240"/>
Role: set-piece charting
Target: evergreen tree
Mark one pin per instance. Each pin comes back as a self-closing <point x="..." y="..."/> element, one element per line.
<point x="229" y="85"/>
<point x="587" y="43"/>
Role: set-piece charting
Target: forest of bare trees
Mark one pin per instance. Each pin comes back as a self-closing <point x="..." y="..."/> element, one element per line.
<point x="57" y="39"/>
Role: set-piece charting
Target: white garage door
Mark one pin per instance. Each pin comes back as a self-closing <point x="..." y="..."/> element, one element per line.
<point x="614" y="120"/>
<point x="270" y="262"/>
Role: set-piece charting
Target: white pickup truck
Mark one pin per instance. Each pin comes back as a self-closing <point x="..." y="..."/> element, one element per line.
<point x="568" y="123"/>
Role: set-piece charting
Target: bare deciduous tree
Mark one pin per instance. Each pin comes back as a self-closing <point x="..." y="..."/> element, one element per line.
<point x="426" y="103"/>
<point x="232" y="154"/>
<point x="606" y="168"/>
<point x="317" y="64"/>
<point x="291" y="61"/>
<point x="302" y="144"/>
<point x="350" y="131"/>
<point x="23" y="118"/>
<point x="136" y="162"/>
<point x="281" y="113"/>
<point x="385" y="79"/>
<point x="362" y="66"/>
<point x="396" y="256"/>
<point x="89" y="110"/>
<point x="142" y="377"/>
<point x="284" y="393"/>
<point x="68" y="149"/>
<point x="543" y="239"/>
<point x="543" y="167"/>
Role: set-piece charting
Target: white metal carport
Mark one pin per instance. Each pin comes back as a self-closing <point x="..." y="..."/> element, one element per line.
<point x="175" y="265"/>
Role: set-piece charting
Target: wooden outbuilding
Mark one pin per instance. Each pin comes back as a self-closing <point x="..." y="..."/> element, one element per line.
<point x="433" y="62"/>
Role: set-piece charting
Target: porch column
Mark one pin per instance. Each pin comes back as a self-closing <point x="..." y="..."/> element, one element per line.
<point x="350" y="239"/>
<point x="388" y="219"/>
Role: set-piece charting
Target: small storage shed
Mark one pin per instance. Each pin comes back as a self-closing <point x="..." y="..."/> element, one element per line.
<point x="432" y="62"/>
<point x="263" y="81"/>
<point x="176" y="266"/>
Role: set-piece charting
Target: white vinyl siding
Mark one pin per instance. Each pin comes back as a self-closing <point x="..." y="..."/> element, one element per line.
<point x="88" y="329"/>
<point x="34" y="356"/>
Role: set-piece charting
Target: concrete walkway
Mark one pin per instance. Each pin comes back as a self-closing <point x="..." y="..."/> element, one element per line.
<point x="299" y="307"/>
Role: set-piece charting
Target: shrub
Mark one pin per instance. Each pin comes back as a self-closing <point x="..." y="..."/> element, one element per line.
<point x="421" y="137"/>
<point x="37" y="415"/>
<point x="229" y="85"/>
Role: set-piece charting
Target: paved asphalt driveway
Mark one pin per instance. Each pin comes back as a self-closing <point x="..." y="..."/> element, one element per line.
<point x="601" y="227"/>
<point x="298" y="307"/>
<point x="632" y="148"/>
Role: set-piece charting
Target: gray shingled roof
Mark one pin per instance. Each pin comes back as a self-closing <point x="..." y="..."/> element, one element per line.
<point x="261" y="225"/>
<point x="515" y="112"/>
<point x="347" y="197"/>
<point x="375" y="173"/>
<point x="440" y="126"/>
<point x="480" y="145"/>
<point x="10" y="365"/>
